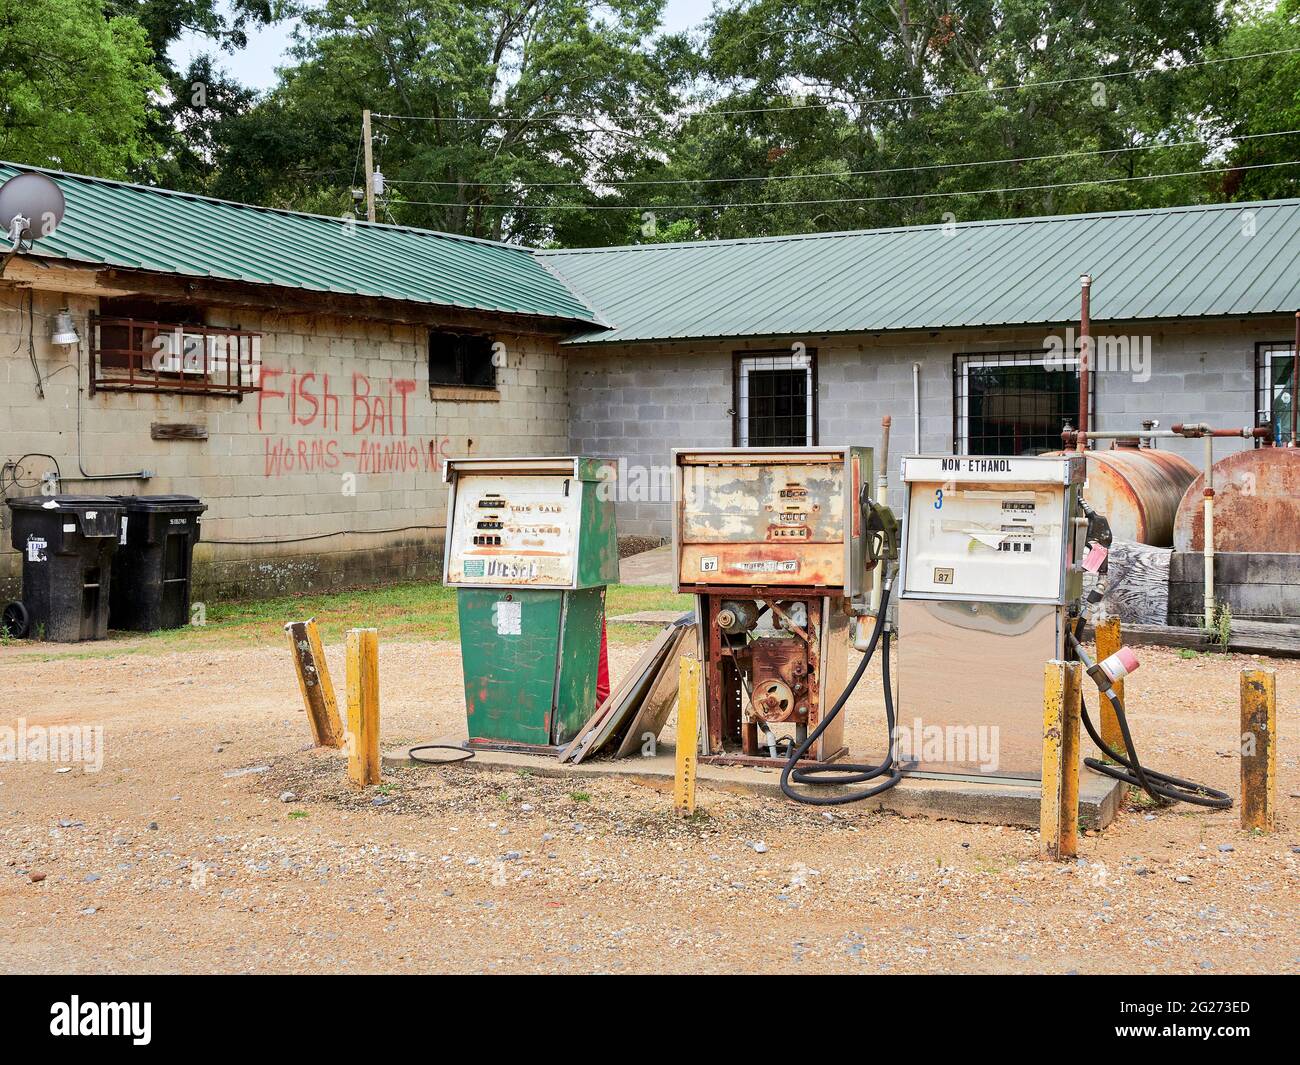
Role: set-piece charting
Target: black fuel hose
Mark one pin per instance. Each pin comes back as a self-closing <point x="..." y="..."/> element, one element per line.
<point x="1160" y="786"/>
<point x="839" y="774"/>
<point x="465" y="753"/>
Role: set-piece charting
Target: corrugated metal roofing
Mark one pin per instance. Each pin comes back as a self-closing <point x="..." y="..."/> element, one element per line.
<point x="1225" y="259"/>
<point x="131" y="226"/>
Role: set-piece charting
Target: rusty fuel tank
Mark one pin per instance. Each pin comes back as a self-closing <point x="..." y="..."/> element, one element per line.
<point x="1138" y="489"/>
<point x="1256" y="504"/>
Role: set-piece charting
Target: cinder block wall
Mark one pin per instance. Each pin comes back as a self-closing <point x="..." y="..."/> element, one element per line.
<point x="284" y="515"/>
<point x="638" y="401"/>
<point x="1255" y="586"/>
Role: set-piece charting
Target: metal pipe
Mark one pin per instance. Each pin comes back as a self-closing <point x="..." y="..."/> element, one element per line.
<point x="134" y="475"/>
<point x="1085" y="341"/>
<point x="1201" y="429"/>
<point x="916" y="408"/>
<point x="1191" y="431"/>
<point x="1209" y="530"/>
<point x="882" y="471"/>
<point x="1295" y="377"/>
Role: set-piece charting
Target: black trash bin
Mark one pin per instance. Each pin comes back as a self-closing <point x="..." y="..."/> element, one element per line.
<point x="151" y="574"/>
<point x="67" y="544"/>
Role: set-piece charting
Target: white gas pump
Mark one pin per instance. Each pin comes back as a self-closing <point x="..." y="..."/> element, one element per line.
<point x="990" y="569"/>
<point x="994" y="551"/>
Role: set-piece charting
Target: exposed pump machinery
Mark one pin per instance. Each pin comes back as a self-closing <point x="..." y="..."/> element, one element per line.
<point x="774" y="545"/>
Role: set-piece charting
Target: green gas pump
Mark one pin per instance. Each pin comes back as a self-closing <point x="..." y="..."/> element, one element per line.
<point x="531" y="544"/>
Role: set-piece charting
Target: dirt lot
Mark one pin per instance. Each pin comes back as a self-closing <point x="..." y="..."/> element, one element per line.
<point x="172" y="859"/>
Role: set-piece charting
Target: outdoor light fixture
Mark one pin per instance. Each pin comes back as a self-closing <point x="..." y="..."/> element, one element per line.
<point x="64" y="332"/>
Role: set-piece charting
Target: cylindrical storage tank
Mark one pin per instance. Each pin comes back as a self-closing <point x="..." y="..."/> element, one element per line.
<point x="1256" y="504"/>
<point x="1138" y="490"/>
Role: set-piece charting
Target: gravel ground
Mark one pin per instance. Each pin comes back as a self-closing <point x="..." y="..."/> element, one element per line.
<point x="214" y="840"/>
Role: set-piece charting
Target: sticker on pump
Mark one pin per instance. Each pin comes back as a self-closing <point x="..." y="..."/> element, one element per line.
<point x="509" y="617"/>
<point x="768" y="565"/>
<point x="36" y="549"/>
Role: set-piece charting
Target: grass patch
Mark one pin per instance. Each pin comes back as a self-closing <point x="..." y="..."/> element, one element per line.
<point x="403" y="612"/>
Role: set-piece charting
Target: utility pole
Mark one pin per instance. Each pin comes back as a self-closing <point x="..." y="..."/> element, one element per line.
<point x="367" y="141"/>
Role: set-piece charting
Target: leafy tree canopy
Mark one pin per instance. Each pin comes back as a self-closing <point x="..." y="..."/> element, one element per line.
<point x="74" y="86"/>
<point x="573" y="122"/>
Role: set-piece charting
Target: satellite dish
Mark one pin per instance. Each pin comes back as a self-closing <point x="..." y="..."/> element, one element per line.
<point x="31" y="207"/>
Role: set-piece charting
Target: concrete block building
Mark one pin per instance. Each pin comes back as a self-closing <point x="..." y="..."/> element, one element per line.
<point x="307" y="377"/>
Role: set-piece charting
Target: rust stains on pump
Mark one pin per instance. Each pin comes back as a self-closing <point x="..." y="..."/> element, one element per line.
<point x="1256" y="504"/>
<point x="769" y="524"/>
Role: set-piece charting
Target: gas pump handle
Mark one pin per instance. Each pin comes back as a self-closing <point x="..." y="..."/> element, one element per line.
<point x="879" y="529"/>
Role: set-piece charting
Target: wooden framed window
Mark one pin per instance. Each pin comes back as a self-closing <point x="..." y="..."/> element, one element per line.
<point x="165" y="349"/>
<point x="461" y="360"/>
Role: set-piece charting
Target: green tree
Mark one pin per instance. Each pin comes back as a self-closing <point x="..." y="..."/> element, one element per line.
<point x="74" y="86"/>
<point x="1254" y="98"/>
<point x="876" y="101"/>
<point x="165" y="20"/>
<point x="502" y="95"/>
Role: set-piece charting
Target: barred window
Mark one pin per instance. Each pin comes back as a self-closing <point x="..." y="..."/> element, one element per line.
<point x="775" y="398"/>
<point x="1012" y="402"/>
<point x="130" y="354"/>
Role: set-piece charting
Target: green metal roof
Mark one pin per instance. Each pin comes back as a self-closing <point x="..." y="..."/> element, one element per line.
<point x="114" y="224"/>
<point x="1181" y="262"/>
<point x="1219" y="260"/>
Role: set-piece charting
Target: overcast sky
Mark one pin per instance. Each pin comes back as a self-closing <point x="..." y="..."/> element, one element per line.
<point x="255" y="65"/>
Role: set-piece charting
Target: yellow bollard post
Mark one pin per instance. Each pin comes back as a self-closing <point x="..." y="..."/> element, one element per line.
<point x="1110" y="640"/>
<point x="1071" y="727"/>
<point x="363" y="706"/>
<point x="1058" y="812"/>
<point x="688" y="733"/>
<point x="315" y="684"/>
<point x="1259" y="749"/>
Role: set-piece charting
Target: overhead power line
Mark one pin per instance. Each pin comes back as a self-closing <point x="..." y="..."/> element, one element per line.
<point x="830" y="173"/>
<point x="877" y="102"/>
<point x="842" y="199"/>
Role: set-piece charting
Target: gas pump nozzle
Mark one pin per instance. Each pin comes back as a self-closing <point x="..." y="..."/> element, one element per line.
<point x="881" y="529"/>
<point x="880" y="545"/>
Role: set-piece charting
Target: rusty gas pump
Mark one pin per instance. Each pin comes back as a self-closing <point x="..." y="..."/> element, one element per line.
<point x="771" y="543"/>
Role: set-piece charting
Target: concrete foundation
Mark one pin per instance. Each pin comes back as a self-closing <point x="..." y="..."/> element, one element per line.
<point x="1256" y="585"/>
<point x="952" y="800"/>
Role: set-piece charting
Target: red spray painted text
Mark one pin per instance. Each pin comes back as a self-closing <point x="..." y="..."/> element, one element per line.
<point x="364" y="429"/>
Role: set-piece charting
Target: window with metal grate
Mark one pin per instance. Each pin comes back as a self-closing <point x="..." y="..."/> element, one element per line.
<point x="1012" y="402"/>
<point x="775" y="398"/>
